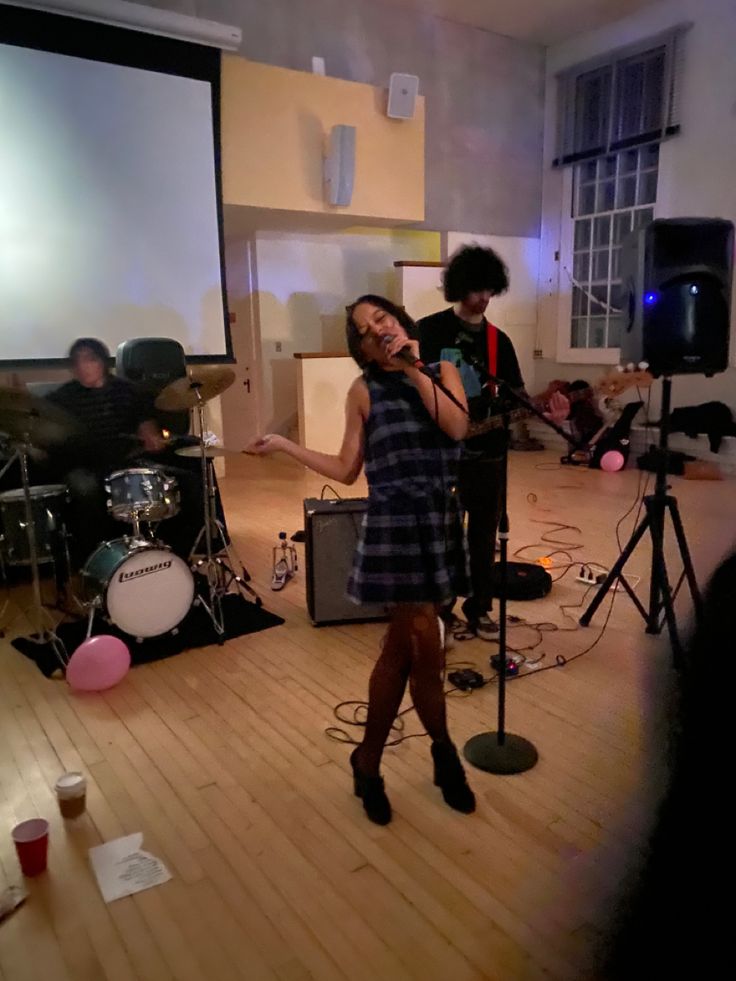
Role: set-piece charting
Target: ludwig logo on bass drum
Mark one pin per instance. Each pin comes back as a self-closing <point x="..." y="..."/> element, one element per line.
<point x="145" y="571"/>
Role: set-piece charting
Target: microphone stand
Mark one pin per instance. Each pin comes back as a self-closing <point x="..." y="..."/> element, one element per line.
<point x="503" y="752"/>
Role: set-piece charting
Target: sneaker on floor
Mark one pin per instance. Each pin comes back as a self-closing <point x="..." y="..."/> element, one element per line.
<point x="485" y="628"/>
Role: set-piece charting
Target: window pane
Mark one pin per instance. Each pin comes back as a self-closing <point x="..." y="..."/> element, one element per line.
<point x="629" y="161"/>
<point x="600" y="265"/>
<point x="586" y="199"/>
<point x="592" y="108"/>
<point x="582" y="234"/>
<point x="615" y="298"/>
<point x="643" y="216"/>
<point x="653" y="100"/>
<point x="647" y="193"/>
<point x="581" y="267"/>
<point x="607" y="167"/>
<point x="614" y="331"/>
<point x="606" y="195"/>
<point x="602" y="230"/>
<point x="579" y="303"/>
<point x="649" y="155"/>
<point x="578" y="334"/>
<point x="626" y="192"/>
<point x="597" y="332"/>
<point x="599" y="293"/>
<point x="586" y="172"/>
<point x="621" y="227"/>
<point x="616" y="264"/>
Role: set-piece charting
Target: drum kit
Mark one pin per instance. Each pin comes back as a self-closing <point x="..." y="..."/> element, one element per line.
<point x="135" y="582"/>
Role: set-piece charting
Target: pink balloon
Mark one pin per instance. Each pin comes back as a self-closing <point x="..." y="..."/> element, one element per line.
<point x="98" y="663"/>
<point x="612" y="460"/>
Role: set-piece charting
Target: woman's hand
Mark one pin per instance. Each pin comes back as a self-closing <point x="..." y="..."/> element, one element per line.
<point x="397" y="344"/>
<point x="265" y="445"/>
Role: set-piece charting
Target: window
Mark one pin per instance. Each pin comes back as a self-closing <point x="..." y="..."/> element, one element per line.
<point x="612" y="196"/>
<point x="628" y="98"/>
<point x="613" y="114"/>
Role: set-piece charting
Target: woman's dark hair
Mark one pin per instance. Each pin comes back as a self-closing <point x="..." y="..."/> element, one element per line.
<point x="97" y="348"/>
<point x="355" y="341"/>
<point x="473" y="269"/>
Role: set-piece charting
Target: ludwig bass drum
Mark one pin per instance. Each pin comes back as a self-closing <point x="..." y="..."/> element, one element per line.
<point x="140" y="586"/>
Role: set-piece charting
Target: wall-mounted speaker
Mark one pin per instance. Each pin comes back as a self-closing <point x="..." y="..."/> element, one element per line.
<point x="402" y="96"/>
<point x="676" y="275"/>
<point x="339" y="168"/>
<point x="331" y="532"/>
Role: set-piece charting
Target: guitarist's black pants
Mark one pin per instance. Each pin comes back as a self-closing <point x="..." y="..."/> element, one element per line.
<point x="479" y="487"/>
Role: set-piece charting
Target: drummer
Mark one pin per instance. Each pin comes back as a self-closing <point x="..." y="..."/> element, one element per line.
<point x="107" y="408"/>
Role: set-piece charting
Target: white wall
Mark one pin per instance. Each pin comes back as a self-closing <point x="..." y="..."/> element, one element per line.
<point x="305" y="280"/>
<point x="697" y="168"/>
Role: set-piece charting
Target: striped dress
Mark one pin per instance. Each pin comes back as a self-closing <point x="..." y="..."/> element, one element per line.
<point x="411" y="548"/>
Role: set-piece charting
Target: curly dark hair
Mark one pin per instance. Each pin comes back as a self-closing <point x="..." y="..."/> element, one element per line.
<point x="94" y="346"/>
<point x="355" y="341"/>
<point x="473" y="269"/>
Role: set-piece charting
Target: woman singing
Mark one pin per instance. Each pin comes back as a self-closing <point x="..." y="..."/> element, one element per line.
<point x="410" y="555"/>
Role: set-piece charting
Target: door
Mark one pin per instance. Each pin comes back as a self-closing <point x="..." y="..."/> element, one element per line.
<point x="241" y="403"/>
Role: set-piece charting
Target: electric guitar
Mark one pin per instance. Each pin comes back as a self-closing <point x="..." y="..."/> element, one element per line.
<point x="609" y="386"/>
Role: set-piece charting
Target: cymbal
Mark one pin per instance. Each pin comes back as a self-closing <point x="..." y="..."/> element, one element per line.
<point x="25" y="417"/>
<point x="207" y="381"/>
<point x="209" y="451"/>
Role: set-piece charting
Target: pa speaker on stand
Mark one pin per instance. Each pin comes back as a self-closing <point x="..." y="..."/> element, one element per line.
<point x="676" y="276"/>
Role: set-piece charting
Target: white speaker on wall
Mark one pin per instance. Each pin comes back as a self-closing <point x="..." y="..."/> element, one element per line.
<point x="339" y="167"/>
<point x="402" y="96"/>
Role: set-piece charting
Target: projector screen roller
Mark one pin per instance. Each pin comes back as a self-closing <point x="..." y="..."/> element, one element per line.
<point x="109" y="206"/>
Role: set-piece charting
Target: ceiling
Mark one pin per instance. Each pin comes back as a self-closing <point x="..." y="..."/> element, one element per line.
<point x="538" y="21"/>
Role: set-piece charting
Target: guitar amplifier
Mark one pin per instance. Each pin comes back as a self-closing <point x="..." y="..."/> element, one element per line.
<point x="332" y="530"/>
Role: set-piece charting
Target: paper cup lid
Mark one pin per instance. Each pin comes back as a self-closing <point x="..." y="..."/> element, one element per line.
<point x="71" y="785"/>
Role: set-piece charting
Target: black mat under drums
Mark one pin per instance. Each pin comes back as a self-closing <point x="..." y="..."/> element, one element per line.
<point x="196" y="630"/>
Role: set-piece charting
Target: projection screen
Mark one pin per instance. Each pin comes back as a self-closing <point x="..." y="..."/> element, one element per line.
<point x="110" y="204"/>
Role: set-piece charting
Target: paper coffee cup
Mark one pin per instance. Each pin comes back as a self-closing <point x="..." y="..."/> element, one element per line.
<point x="71" y="793"/>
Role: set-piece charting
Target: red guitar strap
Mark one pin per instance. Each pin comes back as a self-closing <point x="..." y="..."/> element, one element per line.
<point x="492" y="341"/>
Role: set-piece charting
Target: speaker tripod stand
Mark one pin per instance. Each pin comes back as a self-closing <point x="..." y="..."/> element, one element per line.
<point x="657" y="506"/>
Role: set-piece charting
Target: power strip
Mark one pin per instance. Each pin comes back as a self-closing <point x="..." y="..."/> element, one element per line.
<point x="590" y="578"/>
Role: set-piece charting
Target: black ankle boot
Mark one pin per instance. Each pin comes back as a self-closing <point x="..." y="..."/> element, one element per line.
<point x="449" y="776"/>
<point x="370" y="790"/>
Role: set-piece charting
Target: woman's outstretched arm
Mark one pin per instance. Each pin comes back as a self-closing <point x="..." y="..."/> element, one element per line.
<point x="344" y="466"/>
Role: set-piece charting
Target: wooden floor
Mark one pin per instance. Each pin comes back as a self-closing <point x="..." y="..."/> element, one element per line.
<point x="219" y="756"/>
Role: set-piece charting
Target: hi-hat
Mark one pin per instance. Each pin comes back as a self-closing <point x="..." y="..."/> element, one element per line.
<point x="203" y="383"/>
<point x="209" y="451"/>
<point x="26" y="418"/>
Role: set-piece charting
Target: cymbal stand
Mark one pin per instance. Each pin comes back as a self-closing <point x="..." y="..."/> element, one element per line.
<point x="218" y="568"/>
<point x="42" y="634"/>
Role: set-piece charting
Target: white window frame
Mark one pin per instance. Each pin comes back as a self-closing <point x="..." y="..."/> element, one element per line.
<point x="565" y="353"/>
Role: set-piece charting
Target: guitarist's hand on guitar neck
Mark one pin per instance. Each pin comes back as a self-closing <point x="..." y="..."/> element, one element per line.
<point x="558" y="407"/>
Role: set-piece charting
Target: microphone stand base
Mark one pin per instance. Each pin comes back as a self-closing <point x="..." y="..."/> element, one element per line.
<point x="514" y="755"/>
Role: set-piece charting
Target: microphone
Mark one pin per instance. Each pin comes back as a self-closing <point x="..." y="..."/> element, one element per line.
<point x="405" y="354"/>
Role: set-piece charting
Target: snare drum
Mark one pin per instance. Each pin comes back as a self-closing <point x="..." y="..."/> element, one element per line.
<point x="48" y="507"/>
<point x="142" y="587"/>
<point x="142" y="492"/>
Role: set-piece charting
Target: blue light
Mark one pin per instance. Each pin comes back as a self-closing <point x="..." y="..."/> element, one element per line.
<point x="650" y="299"/>
<point x="694" y="290"/>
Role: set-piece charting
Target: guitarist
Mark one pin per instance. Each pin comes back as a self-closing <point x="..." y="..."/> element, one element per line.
<point x="462" y="334"/>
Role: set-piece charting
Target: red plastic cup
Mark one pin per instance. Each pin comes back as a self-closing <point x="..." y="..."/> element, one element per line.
<point x="32" y="844"/>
